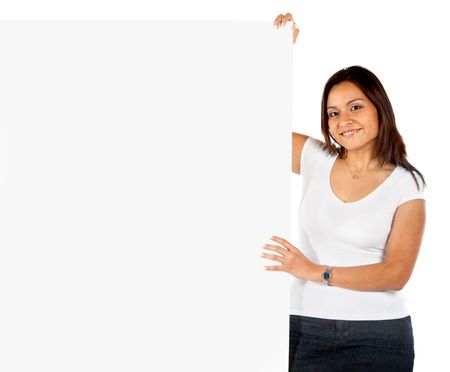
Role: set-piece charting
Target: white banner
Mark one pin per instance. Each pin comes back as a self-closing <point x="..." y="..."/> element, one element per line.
<point x="143" y="165"/>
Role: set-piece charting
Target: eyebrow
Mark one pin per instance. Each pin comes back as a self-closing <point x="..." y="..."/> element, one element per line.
<point x="355" y="99"/>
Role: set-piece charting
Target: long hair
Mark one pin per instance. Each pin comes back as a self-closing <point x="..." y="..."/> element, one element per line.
<point x="389" y="145"/>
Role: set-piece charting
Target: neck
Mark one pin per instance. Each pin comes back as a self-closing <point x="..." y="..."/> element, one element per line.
<point x="361" y="161"/>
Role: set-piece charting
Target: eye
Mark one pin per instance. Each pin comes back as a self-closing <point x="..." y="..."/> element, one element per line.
<point x="356" y="106"/>
<point x="330" y="114"/>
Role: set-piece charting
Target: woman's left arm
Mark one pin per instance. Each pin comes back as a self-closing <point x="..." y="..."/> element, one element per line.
<point x="393" y="273"/>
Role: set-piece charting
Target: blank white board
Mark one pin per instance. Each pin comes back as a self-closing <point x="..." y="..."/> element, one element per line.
<point x="143" y="165"/>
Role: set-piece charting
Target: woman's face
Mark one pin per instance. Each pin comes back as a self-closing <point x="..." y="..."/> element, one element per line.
<point x="349" y="108"/>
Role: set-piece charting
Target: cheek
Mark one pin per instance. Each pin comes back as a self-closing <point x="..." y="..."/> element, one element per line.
<point x="374" y="121"/>
<point x="373" y="117"/>
<point x="331" y="125"/>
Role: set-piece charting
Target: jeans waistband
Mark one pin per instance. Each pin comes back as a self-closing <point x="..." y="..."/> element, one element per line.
<point x="336" y="327"/>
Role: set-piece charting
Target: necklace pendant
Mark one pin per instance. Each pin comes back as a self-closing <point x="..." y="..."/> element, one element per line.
<point x="355" y="177"/>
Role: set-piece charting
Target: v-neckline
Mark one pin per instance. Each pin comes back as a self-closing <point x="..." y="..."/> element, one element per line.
<point x="364" y="198"/>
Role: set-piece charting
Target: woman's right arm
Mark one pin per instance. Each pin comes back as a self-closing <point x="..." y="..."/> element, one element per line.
<point x="298" y="141"/>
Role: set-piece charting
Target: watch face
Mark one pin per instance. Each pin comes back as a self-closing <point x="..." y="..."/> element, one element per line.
<point x="326" y="275"/>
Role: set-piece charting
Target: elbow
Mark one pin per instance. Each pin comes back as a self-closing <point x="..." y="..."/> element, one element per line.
<point x="397" y="276"/>
<point x="399" y="282"/>
<point x="397" y="287"/>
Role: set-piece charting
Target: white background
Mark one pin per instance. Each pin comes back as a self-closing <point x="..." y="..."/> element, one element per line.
<point x="404" y="44"/>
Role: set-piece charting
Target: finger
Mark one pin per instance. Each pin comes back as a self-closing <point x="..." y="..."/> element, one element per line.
<point x="278" y="19"/>
<point x="281" y="19"/>
<point x="287" y="17"/>
<point x="274" y="257"/>
<point x="296" y="32"/>
<point x="274" y="268"/>
<point x="279" y="240"/>
<point x="283" y="242"/>
<point x="275" y="248"/>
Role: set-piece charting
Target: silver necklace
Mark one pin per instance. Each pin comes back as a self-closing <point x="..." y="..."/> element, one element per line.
<point x="354" y="176"/>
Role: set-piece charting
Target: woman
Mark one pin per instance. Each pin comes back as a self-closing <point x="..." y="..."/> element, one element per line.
<point x="361" y="223"/>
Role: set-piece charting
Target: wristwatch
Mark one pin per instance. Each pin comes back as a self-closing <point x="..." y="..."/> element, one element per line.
<point x="326" y="276"/>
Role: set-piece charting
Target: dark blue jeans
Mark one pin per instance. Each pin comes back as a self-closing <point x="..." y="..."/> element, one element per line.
<point x="319" y="345"/>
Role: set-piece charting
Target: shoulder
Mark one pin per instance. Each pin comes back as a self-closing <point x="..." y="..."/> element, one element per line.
<point x="410" y="177"/>
<point x="409" y="185"/>
<point x="315" y="155"/>
<point x="316" y="147"/>
<point x="315" y="142"/>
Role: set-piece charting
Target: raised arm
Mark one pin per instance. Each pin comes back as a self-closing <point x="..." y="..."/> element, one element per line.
<point x="298" y="139"/>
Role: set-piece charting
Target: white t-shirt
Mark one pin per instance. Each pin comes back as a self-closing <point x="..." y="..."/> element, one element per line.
<point x="333" y="232"/>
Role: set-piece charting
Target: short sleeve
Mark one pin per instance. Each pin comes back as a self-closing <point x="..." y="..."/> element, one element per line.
<point x="313" y="151"/>
<point x="409" y="189"/>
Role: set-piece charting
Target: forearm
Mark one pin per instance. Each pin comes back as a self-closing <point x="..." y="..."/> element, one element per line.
<point x="374" y="277"/>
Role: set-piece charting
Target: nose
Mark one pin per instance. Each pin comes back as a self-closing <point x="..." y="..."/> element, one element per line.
<point x="344" y="122"/>
<point x="345" y="118"/>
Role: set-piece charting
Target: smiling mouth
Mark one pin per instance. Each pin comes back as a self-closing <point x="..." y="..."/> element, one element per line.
<point x="349" y="133"/>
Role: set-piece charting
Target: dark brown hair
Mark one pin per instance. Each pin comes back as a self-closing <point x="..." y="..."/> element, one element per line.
<point x="389" y="145"/>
